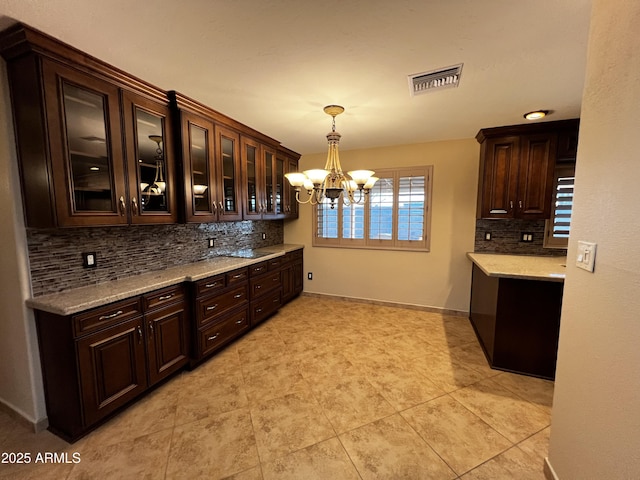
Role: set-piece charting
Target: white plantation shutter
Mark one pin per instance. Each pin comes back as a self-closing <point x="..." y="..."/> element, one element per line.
<point x="557" y="229"/>
<point x="396" y="215"/>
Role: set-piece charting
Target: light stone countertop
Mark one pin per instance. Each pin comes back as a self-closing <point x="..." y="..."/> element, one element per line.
<point x="526" y="267"/>
<point x="79" y="299"/>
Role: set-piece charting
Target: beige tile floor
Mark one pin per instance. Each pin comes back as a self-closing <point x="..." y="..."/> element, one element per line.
<point x="326" y="389"/>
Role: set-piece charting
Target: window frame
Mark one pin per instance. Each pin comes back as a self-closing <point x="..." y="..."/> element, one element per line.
<point x="550" y="241"/>
<point x="396" y="174"/>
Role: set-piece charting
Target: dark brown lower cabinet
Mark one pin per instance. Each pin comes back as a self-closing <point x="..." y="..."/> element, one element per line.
<point x="266" y="289"/>
<point x="221" y="312"/>
<point x="113" y="369"/>
<point x="517" y="322"/>
<point x="167" y="341"/>
<point x="291" y="276"/>
<point x="96" y="362"/>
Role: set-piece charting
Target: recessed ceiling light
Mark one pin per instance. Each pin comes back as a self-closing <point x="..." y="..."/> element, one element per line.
<point x="536" y="114"/>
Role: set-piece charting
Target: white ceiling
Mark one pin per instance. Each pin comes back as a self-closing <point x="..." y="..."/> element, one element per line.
<point x="273" y="64"/>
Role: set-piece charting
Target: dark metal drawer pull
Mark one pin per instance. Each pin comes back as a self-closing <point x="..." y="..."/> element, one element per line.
<point x="113" y="315"/>
<point x="214" y="284"/>
<point x="258" y="310"/>
<point x="276" y="300"/>
<point x="238" y="295"/>
<point x="211" y="307"/>
<point x="213" y="337"/>
<point x="165" y="297"/>
<point x="238" y="322"/>
<point x="240" y="275"/>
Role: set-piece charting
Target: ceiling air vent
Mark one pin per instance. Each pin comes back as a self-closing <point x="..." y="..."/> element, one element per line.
<point x="435" y="80"/>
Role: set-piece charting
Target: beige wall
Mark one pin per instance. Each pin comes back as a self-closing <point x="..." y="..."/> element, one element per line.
<point x="20" y="377"/>
<point x="440" y="278"/>
<point x="595" y="431"/>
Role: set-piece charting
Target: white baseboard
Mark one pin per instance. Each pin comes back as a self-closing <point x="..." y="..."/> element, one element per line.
<point x="424" y="308"/>
<point x="549" y="472"/>
<point x="36" y="425"/>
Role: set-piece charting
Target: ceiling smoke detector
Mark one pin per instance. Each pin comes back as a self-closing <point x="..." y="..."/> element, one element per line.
<point x="449" y="77"/>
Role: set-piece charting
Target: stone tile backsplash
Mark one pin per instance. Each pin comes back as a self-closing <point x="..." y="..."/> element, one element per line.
<point x="506" y="235"/>
<point x="55" y="255"/>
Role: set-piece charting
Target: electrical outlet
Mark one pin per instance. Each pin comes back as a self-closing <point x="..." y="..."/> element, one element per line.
<point x="89" y="260"/>
<point x="487" y="236"/>
<point x="309" y="276"/>
<point x="264" y="236"/>
<point x="211" y="242"/>
<point x="526" y="237"/>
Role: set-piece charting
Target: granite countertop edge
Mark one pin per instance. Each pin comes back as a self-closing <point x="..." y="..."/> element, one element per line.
<point x="76" y="300"/>
<point x="524" y="267"/>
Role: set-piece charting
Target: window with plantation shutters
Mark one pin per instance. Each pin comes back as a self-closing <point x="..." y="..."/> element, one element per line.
<point x="558" y="227"/>
<point x="396" y="215"/>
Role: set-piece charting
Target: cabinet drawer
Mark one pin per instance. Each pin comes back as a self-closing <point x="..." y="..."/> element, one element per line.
<point x="214" y="336"/>
<point x="265" y="307"/>
<point x="258" y="269"/>
<point x="162" y="297"/>
<point x="237" y="276"/>
<point x="275" y="264"/>
<point x="262" y="285"/>
<point x="294" y="256"/>
<point x="211" y="284"/>
<point x="209" y="308"/>
<point x="106" y="316"/>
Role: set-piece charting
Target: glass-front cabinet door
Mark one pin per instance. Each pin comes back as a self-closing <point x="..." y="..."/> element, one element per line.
<point x="270" y="205"/>
<point x="199" y="169"/>
<point x="149" y="151"/>
<point x="228" y="174"/>
<point x="86" y="148"/>
<point x="291" y="204"/>
<point x="253" y="196"/>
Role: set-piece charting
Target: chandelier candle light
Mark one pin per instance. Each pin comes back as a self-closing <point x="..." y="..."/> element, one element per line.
<point x="330" y="182"/>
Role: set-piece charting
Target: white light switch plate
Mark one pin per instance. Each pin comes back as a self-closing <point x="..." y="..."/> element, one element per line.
<point x="586" y="255"/>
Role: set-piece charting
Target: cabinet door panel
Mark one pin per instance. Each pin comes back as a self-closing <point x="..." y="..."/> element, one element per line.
<point x="229" y="181"/>
<point x="500" y="163"/>
<point x="536" y="176"/>
<point x="167" y="342"/>
<point x="199" y="169"/>
<point x="253" y="199"/>
<point x="83" y="115"/>
<point x="150" y="160"/>
<point x="112" y="368"/>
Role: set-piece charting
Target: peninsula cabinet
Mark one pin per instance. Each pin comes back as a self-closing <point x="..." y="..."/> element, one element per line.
<point x="517" y="322"/>
<point x="517" y="166"/>
<point x="210" y="153"/>
<point x="94" y="143"/>
<point x="95" y="362"/>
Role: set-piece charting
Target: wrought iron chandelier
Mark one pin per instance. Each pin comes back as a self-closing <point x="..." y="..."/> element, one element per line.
<point x="331" y="182"/>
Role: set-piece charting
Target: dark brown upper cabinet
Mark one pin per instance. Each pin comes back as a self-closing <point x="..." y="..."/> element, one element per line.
<point x="289" y="161"/>
<point x="260" y="180"/>
<point x="78" y="166"/>
<point x="210" y="153"/>
<point x="516" y="168"/>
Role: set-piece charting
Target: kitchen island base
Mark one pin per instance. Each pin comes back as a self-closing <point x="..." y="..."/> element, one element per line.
<point x="517" y="322"/>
